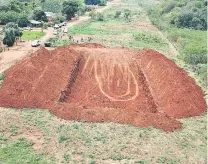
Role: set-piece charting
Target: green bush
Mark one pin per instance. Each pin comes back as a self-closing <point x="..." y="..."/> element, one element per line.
<point x="117" y="14"/>
<point x="189" y="14"/>
<point x="169" y="6"/>
<point x="92" y="14"/>
<point x="100" y="17"/>
<point x="201" y="72"/>
<point x="59" y="19"/>
<point x="95" y="2"/>
<point x="2" y="76"/>
<point x="82" y="10"/>
<point x="11" y="16"/>
<point x="62" y="139"/>
<point x="194" y="59"/>
<point x="148" y="37"/>
<point x="103" y="2"/>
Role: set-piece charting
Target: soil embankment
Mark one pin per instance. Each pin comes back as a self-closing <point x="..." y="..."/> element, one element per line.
<point x="94" y="83"/>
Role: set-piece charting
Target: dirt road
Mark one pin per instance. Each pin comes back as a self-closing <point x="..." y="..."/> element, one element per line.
<point x="23" y="49"/>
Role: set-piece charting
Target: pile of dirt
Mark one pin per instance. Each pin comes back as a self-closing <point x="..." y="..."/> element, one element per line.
<point x="93" y="83"/>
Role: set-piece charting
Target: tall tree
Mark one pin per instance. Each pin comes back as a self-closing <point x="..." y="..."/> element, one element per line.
<point x="11" y="33"/>
<point x="70" y="7"/>
<point x="39" y="15"/>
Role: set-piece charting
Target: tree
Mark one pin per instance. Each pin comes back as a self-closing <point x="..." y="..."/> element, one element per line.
<point x="70" y="7"/>
<point x="9" y="37"/>
<point x="60" y="18"/>
<point x="11" y="33"/>
<point x="42" y="1"/>
<point x="96" y="2"/>
<point x="102" y="2"/>
<point x="43" y="26"/>
<point x="82" y="10"/>
<point x="40" y="15"/>
<point x="22" y="20"/>
<point x="92" y="2"/>
<point x="15" y="6"/>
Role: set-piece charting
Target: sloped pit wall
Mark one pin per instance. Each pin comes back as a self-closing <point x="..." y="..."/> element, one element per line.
<point x="72" y="78"/>
<point x="175" y="93"/>
<point x="36" y="82"/>
<point x="17" y="87"/>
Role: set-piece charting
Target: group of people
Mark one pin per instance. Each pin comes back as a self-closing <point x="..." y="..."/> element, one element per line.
<point x="89" y="39"/>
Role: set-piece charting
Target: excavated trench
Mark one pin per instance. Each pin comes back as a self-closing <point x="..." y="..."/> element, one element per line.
<point x="72" y="79"/>
<point x="94" y="83"/>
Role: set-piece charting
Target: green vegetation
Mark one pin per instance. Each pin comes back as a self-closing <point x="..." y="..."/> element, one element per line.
<point x="83" y="142"/>
<point x="54" y="6"/>
<point x="113" y="31"/>
<point x="11" y="33"/>
<point x="32" y="35"/>
<point x="21" y="11"/>
<point x="20" y="151"/>
<point x="2" y="77"/>
<point x="190" y="41"/>
<point x="70" y="7"/>
<point x="182" y="13"/>
<point x="14" y="11"/>
<point x="39" y="15"/>
<point x="61" y="139"/>
<point x="96" y="2"/>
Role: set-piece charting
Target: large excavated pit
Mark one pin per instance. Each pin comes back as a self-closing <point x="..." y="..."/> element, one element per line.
<point x="93" y="83"/>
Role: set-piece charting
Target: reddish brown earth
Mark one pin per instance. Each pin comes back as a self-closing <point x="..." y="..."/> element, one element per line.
<point x="94" y="83"/>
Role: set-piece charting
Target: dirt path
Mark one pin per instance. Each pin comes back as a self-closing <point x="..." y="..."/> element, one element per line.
<point x="23" y="49"/>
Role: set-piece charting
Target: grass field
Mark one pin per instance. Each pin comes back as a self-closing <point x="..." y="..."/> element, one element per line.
<point x="116" y="32"/>
<point x="32" y="35"/>
<point x="43" y="138"/>
<point x="36" y="136"/>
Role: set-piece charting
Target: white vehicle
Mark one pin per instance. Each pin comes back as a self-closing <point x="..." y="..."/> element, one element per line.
<point x="27" y="28"/>
<point x="36" y="43"/>
<point x="55" y="32"/>
<point x="56" y="26"/>
<point x="62" y="24"/>
<point x="65" y="30"/>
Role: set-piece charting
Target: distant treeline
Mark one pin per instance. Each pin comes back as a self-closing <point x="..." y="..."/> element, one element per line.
<point x="183" y="13"/>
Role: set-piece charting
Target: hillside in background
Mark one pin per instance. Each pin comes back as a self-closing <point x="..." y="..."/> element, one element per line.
<point x="185" y="22"/>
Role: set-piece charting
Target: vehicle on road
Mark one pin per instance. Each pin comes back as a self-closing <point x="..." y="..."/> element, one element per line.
<point x="56" y="26"/>
<point x="36" y="43"/>
<point x="48" y="44"/>
<point x="62" y="24"/>
<point x="27" y="28"/>
<point x="65" y="30"/>
<point x="55" y="32"/>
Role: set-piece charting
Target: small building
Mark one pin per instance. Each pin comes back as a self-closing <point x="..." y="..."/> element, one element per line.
<point x="34" y="23"/>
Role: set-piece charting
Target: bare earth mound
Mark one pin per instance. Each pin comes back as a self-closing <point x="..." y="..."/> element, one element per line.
<point x="93" y="83"/>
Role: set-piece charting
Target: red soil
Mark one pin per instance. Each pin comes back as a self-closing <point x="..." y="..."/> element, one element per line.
<point x="93" y="83"/>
